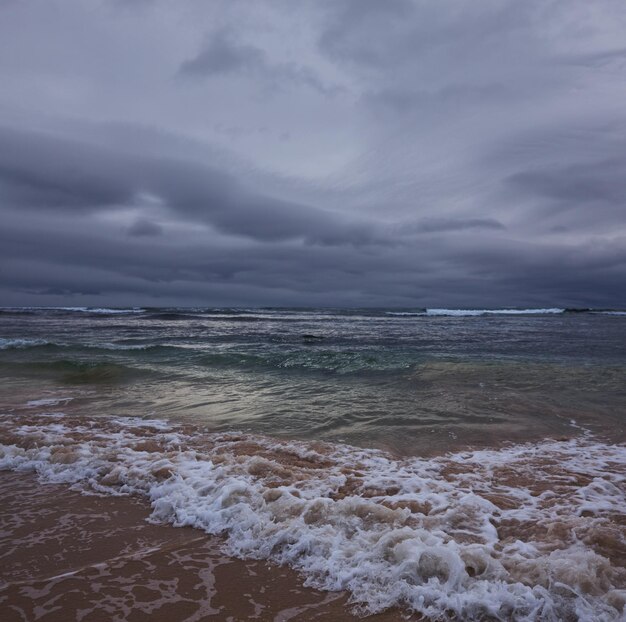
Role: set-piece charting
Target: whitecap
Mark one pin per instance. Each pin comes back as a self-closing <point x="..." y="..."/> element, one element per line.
<point x="478" y="312"/>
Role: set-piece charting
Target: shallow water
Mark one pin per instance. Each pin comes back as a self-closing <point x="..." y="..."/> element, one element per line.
<point x="408" y="383"/>
<point x="462" y="466"/>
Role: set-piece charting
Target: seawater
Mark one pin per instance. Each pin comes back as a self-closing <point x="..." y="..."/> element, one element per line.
<point x="411" y="381"/>
<point x="462" y="464"/>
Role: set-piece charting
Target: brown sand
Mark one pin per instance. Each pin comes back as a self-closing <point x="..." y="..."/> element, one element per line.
<point x="65" y="556"/>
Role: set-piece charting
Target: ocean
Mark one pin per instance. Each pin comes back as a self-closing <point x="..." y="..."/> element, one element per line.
<point x="454" y="464"/>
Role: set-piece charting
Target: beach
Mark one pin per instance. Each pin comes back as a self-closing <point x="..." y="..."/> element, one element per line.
<point x="313" y="311"/>
<point x="103" y="562"/>
<point x="312" y="465"/>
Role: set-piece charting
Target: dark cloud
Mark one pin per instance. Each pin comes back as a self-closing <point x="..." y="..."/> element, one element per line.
<point x="37" y="170"/>
<point x="352" y="152"/>
<point x="58" y="174"/>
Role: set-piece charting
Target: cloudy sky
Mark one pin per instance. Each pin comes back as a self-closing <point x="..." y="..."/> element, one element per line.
<point x="322" y="152"/>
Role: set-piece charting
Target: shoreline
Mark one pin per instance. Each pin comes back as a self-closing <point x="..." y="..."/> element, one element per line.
<point x="467" y="535"/>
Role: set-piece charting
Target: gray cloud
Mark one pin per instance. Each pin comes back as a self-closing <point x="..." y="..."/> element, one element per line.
<point x="575" y="184"/>
<point x="223" y="54"/>
<point x="144" y="227"/>
<point x="42" y="171"/>
<point x="440" y="225"/>
<point x="443" y="101"/>
<point x="54" y="173"/>
<point x="441" y="155"/>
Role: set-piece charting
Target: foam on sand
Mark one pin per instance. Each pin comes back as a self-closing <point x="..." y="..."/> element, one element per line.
<point x="524" y="532"/>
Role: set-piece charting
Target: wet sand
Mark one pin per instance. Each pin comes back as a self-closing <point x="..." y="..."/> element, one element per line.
<point x="67" y="556"/>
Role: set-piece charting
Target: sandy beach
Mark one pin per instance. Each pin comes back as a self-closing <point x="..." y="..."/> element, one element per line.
<point x="535" y="529"/>
<point x="67" y="556"/>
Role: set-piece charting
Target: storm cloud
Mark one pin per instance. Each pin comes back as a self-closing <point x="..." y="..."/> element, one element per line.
<point x="410" y="153"/>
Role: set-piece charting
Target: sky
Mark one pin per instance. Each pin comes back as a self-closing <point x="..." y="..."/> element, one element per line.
<point x="411" y="153"/>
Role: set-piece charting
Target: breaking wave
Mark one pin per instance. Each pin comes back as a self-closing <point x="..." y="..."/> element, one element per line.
<point x="21" y="344"/>
<point x="92" y="310"/>
<point x="476" y="312"/>
<point x="81" y="372"/>
<point x="524" y="532"/>
<point x="303" y="358"/>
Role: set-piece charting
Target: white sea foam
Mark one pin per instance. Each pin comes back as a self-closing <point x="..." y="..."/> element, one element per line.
<point x="520" y="533"/>
<point x="476" y="312"/>
<point x="22" y="344"/>
<point x="105" y="310"/>
<point x="120" y="346"/>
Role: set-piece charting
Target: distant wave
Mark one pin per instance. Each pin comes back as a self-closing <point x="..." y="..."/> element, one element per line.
<point x="94" y="310"/>
<point x="21" y="344"/>
<point x="462" y="312"/>
<point x="24" y="344"/>
<point x="525" y="532"/>
<point x="287" y="314"/>
<point x="476" y="312"/>
<point x="406" y="313"/>
<point x="102" y="310"/>
<point x="171" y="316"/>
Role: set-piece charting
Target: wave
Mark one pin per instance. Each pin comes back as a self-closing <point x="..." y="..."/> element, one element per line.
<point x="21" y="344"/>
<point x="102" y="310"/>
<point x="172" y="315"/>
<point x="309" y="358"/>
<point x="474" y="312"/>
<point x="318" y="360"/>
<point x="93" y="310"/>
<point x="477" y="312"/>
<point x="42" y="344"/>
<point x="79" y="372"/>
<point x="525" y="532"/>
<point x="286" y="314"/>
